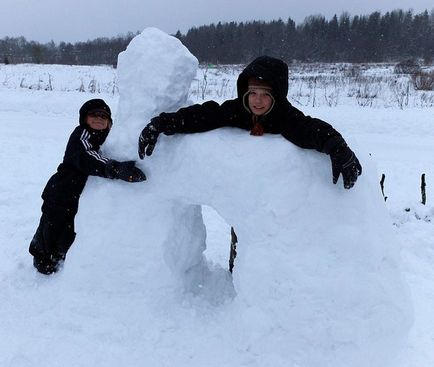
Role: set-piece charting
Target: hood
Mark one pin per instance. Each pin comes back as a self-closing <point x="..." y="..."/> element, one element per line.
<point x="269" y="69"/>
<point x="97" y="137"/>
<point x="94" y="105"/>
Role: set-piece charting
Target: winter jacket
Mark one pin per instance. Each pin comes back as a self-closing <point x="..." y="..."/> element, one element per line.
<point x="82" y="158"/>
<point x="284" y="119"/>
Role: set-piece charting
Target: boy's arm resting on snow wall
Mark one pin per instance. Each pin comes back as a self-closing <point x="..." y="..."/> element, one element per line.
<point x="308" y="132"/>
<point x="312" y="133"/>
<point x="86" y="158"/>
<point x="200" y="118"/>
<point x="193" y="119"/>
<point x="82" y="155"/>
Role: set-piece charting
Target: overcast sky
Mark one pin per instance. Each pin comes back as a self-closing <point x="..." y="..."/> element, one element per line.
<point x="80" y="20"/>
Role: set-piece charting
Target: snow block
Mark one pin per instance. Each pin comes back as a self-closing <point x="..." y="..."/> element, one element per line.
<point x="317" y="280"/>
<point x="154" y="75"/>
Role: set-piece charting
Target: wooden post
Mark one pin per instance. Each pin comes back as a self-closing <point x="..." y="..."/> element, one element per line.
<point x="383" y="177"/>
<point x="422" y="188"/>
<point x="233" y="252"/>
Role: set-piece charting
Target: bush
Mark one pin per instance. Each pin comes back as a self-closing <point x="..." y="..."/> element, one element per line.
<point x="410" y="66"/>
<point x="423" y="80"/>
<point x="428" y="60"/>
<point x="354" y="71"/>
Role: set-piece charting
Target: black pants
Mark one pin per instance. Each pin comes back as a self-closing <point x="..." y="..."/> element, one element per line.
<point x="54" y="236"/>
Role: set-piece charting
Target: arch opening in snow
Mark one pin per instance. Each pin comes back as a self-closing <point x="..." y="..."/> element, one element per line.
<point x="218" y="237"/>
<point x="184" y="251"/>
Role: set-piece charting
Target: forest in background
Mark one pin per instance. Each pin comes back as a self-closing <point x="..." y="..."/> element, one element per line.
<point x="393" y="36"/>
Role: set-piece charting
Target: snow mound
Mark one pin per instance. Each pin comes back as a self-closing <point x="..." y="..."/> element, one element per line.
<point x="317" y="280"/>
<point x="154" y="75"/>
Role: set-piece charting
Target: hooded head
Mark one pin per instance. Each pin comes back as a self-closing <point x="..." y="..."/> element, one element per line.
<point x="269" y="71"/>
<point x="95" y="106"/>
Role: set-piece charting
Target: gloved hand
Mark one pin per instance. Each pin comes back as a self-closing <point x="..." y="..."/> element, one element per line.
<point x="167" y="123"/>
<point x="126" y="171"/>
<point x="345" y="162"/>
<point x="148" y="137"/>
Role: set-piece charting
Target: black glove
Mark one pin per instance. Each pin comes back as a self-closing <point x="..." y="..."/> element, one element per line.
<point x="345" y="162"/>
<point x="126" y="171"/>
<point x="167" y="123"/>
<point x="148" y="137"/>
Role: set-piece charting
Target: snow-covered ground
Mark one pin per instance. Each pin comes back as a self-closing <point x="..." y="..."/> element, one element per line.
<point x="92" y="312"/>
<point x="316" y="85"/>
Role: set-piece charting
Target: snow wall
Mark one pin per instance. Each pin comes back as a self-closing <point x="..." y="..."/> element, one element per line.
<point x="317" y="279"/>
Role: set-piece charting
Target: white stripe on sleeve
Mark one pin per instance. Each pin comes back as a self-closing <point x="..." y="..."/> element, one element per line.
<point x="89" y="149"/>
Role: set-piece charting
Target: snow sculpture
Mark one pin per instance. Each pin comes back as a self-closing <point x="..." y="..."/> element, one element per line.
<point x="317" y="279"/>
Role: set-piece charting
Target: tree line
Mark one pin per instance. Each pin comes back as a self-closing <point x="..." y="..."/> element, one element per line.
<point x="393" y="36"/>
<point x="100" y="51"/>
<point x="376" y="37"/>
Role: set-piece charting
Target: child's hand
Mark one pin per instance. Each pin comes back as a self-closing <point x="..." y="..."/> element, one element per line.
<point x="148" y="137"/>
<point x="125" y="171"/>
<point x="345" y="162"/>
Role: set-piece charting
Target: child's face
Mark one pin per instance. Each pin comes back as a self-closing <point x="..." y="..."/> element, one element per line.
<point x="260" y="101"/>
<point x="97" y="121"/>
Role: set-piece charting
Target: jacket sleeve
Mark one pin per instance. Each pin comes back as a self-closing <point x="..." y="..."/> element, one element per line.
<point x="202" y="117"/>
<point x="308" y="132"/>
<point x="83" y="155"/>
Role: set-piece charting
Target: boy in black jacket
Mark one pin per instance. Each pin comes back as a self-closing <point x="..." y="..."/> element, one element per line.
<point x="55" y="233"/>
<point x="261" y="107"/>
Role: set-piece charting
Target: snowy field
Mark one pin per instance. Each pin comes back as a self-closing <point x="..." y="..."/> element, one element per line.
<point x="38" y="110"/>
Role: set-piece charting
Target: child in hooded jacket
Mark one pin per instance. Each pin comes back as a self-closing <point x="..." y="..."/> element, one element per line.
<point x="55" y="233"/>
<point x="260" y="107"/>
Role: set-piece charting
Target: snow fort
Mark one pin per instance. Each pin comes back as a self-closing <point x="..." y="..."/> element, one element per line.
<point x="317" y="280"/>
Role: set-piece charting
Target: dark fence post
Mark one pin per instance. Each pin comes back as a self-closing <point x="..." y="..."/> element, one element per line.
<point x="383" y="177"/>
<point x="233" y="253"/>
<point x="422" y="189"/>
